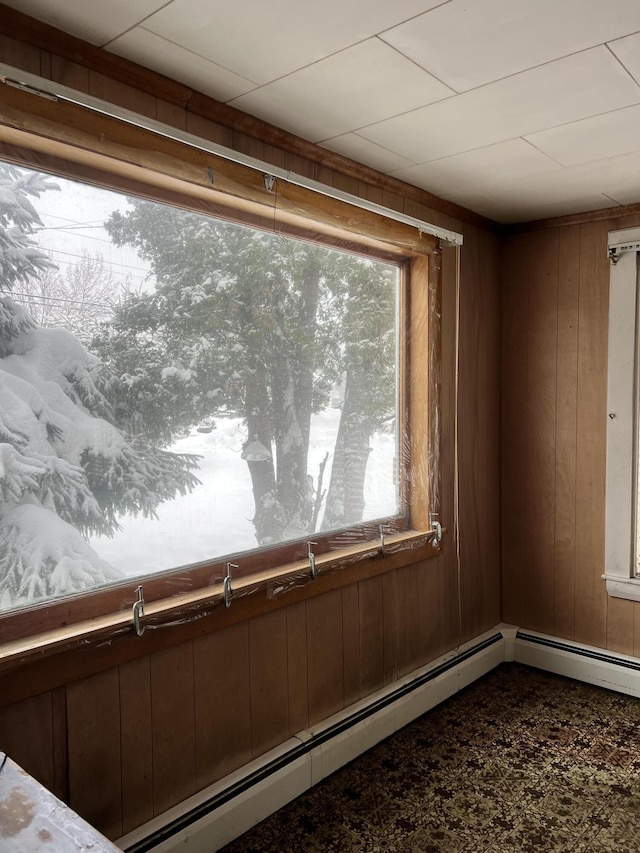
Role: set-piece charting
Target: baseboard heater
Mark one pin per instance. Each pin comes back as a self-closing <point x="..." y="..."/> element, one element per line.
<point x="214" y="817"/>
<point x="611" y="670"/>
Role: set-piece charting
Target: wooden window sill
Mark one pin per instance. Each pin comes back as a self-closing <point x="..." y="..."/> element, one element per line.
<point x="400" y="549"/>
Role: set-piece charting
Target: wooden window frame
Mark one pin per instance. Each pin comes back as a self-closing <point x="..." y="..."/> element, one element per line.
<point x="623" y="409"/>
<point x="77" y="143"/>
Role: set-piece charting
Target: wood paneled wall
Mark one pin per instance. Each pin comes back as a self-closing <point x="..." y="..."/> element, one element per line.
<point x="554" y="396"/>
<point x="123" y="743"/>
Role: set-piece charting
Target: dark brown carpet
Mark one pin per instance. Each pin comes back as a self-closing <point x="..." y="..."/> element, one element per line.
<point x="520" y="761"/>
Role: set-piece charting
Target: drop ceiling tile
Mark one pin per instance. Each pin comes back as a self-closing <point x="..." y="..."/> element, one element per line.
<point x="574" y="189"/>
<point x="363" y="151"/>
<point x="514" y="158"/>
<point x="360" y="85"/>
<point x="92" y="20"/>
<point x="517" y="207"/>
<point x="628" y="52"/>
<point x="174" y="61"/>
<point x="617" y="177"/>
<point x="480" y="203"/>
<point x="264" y="40"/>
<point x="566" y="90"/>
<point x="469" y="44"/>
<point x="595" y="138"/>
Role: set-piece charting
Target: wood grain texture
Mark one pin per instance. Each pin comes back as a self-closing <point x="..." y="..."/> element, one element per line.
<point x="60" y="744"/>
<point x="223" y="703"/>
<point x="326" y="656"/>
<point x="173" y="726"/>
<point x="566" y="433"/>
<point x="474" y="563"/>
<point x="137" y="743"/>
<point x="573" y="443"/>
<point x="26" y="736"/>
<point x="542" y="285"/>
<point x="351" y="643"/>
<point x="391" y="628"/>
<point x="591" y="604"/>
<point x="297" y="667"/>
<point x="95" y="777"/>
<point x="269" y="682"/>
<point x="409" y="645"/>
<point x="514" y="433"/>
<point x="370" y="620"/>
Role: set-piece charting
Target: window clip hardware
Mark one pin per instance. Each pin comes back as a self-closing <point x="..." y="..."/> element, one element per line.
<point x="436" y="529"/>
<point x="382" y="543"/>
<point x="138" y="612"/>
<point x="227" y="592"/>
<point x="312" y="560"/>
<point x="269" y="182"/>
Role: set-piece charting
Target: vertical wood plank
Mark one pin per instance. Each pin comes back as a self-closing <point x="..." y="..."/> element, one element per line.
<point x="20" y="54"/>
<point x="171" y="114"/>
<point x="429" y="626"/>
<point x="69" y="74"/>
<point x="60" y="744"/>
<point x="636" y="629"/>
<point x="566" y="437"/>
<point x="26" y="736"/>
<point x="514" y="432"/>
<point x="371" y="625"/>
<point x="540" y="463"/>
<point x="620" y="619"/>
<point x="351" y="643"/>
<point x="137" y="743"/>
<point x="297" y="667"/>
<point x="447" y="565"/>
<point x="173" y="729"/>
<point x="489" y="417"/>
<point x="110" y="90"/>
<point x="326" y="655"/>
<point x="95" y="781"/>
<point x="223" y="703"/>
<point x="391" y="615"/>
<point x="409" y="653"/>
<point x="473" y="560"/>
<point x="591" y="603"/>
<point x="269" y="687"/>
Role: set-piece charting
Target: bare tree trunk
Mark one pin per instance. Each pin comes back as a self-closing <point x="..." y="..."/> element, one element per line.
<point x="263" y="480"/>
<point x="345" y="500"/>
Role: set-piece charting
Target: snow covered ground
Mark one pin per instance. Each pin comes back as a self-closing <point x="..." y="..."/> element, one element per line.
<point x="215" y="519"/>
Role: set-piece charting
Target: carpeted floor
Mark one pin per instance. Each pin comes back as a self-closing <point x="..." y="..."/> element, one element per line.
<point x="521" y="762"/>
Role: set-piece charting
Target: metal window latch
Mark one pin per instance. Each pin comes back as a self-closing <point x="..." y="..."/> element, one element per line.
<point x="312" y="560"/>
<point x="436" y="529"/>
<point x="227" y="592"/>
<point x="381" y="528"/>
<point x="138" y="612"/>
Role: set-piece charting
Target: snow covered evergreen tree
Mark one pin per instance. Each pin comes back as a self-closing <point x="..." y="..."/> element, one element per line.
<point x="66" y="469"/>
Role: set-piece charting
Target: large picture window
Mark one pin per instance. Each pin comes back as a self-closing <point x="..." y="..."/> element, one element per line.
<point x="199" y="372"/>
<point x="177" y="388"/>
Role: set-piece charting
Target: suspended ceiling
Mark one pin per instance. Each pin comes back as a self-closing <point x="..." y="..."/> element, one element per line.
<point x="516" y="109"/>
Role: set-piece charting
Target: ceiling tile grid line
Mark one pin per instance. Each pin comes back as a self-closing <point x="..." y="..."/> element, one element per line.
<point x="105" y="45"/>
<point x="512" y="108"/>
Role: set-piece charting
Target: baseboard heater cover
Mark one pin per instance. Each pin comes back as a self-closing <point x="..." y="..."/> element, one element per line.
<point x="228" y="808"/>
<point x="610" y="670"/>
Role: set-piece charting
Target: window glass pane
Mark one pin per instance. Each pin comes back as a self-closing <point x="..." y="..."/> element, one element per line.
<point x="175" y="388"/>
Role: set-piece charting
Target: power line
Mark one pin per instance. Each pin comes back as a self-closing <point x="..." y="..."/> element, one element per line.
<point x="106" y="261"/>
<point x="43" y="299"/>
